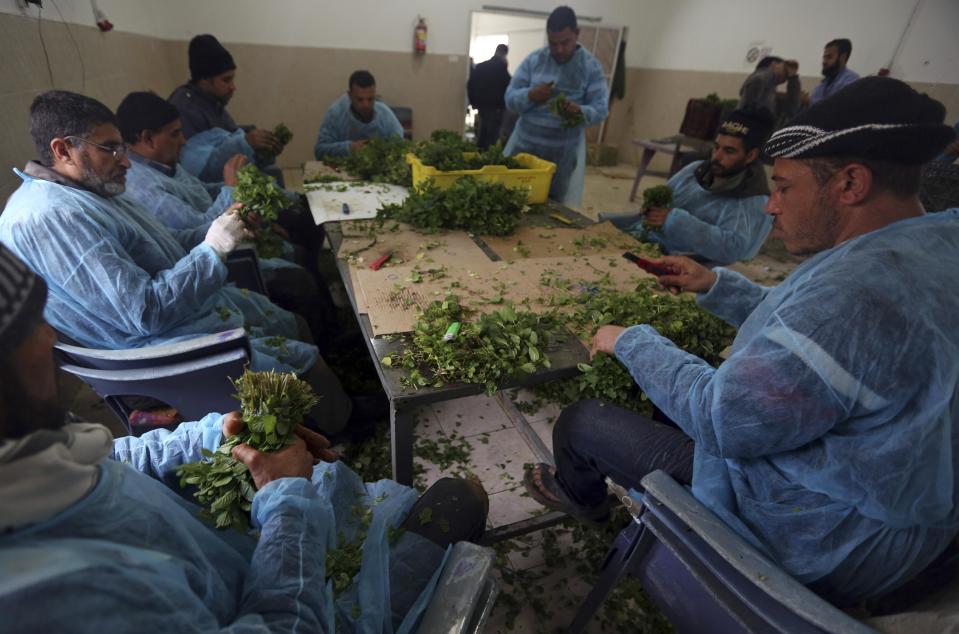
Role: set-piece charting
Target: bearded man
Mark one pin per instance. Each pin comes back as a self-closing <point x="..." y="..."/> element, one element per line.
<point x="717" y="213"/>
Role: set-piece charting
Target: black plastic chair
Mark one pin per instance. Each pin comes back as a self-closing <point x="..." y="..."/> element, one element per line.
<point x="192" y="376"/>
<point x="405" y="116"/>
<point x="243" y="269"/>
<point x="704" y="576"/>
<point x="939" y="189"/>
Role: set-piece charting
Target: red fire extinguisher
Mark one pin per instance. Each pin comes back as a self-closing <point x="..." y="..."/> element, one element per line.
<point x="419" y="37"/>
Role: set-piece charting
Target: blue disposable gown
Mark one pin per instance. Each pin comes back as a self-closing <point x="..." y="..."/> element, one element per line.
<point x="718" y="228"/>
<point x="117" y="278"/>
<point x="829" y="437"/>
<point x="179" y="201"/>
<point x="205" y="153"/>
<point x="340" y="127"/>
<point x="538" y="131"/>
<point x="133" y="556"/>
<point x="184" y="202"/>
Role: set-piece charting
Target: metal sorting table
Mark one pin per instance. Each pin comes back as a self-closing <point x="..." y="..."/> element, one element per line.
<point x="403" y="400"/>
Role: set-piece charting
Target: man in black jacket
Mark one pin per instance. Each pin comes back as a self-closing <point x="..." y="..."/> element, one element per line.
<point x="486" y="87"/>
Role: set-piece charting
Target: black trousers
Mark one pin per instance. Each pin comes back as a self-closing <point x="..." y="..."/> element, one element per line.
<point x="487" y="132"/>
<point x="593" y="439"/>
<point x="297" y="290"/>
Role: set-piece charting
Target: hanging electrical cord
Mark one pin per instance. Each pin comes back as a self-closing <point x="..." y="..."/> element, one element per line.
<point x="902" y="36"/>
<point x="43" y="44"/>
<point x="83" y="68"/>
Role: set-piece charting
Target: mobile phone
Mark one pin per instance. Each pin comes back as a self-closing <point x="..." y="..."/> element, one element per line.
<point x="646" y="265"/>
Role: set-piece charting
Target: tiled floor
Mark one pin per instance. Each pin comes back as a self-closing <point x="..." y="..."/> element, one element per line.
<point x="497" y="451"/>
<point x="497" y="455"/>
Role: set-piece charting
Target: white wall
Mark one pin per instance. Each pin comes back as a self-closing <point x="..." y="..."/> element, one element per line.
<point x="377" y="25"/>
<point x="714" y="36"/>
<point x="709" y="35"/>
<point x="133" y="16"/>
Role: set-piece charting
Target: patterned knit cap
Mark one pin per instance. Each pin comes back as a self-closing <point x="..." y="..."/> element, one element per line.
<point x="877" y="118"/>
<point x="22" y="297"/>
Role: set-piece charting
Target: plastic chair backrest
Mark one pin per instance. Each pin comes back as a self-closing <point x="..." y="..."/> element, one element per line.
<point x="696" y="567"/>
<point x="243" y="269"/>
<point x="405" y="117"/>
<point x="939" y="189"/>
<point x="194" y="387"/>
<point x="149" y="356"/>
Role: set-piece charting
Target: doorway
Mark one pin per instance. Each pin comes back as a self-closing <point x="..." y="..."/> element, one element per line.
<point x="523" y="34"/>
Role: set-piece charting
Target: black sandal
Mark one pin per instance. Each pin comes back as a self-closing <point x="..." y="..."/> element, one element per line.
<point x="552" y="496"/>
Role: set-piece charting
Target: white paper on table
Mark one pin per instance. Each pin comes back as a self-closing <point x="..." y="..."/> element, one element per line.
<point x="363" y="199"/>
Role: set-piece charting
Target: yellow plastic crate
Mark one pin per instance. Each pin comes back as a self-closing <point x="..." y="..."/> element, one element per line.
<point x="536" y="175"/>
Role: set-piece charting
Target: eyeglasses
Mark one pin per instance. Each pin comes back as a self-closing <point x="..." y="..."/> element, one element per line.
<point x="118" y="151"/>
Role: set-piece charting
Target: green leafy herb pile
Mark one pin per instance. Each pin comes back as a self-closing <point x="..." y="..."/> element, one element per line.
<point x="380" y="160"/>
<point x="569" y="119"/>
<point x="283" y="135"/>
<point x="475" y="206"/>
<point x="448" y="158"/>
<point x="450" y="139"/>
<point x="490" y="350"/>
<point x="384" y="160"/>
<point x="658" y="196"/>
<point x="677" y="318"/>
<point x="273" y="405"/>
<point x="262" y="197"/>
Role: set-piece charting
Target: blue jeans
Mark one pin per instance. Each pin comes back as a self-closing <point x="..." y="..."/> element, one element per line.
<point x="594" y="439"/>
<point x="620" y="219"/>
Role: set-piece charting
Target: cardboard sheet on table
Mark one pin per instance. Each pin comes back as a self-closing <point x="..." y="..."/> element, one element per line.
<point x="363" y="200"/>
<point x="392" y="299"/>
<point x="410" y="247"/>
<point x="552" y="242"/>
<point x="428" y="251"/>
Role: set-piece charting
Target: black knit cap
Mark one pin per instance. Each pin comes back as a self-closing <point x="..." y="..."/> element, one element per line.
<point x="752" y="125"/>
<point x="208" y="58"/>
<point x="22" y="297"/>
<point x="877" y="118"/>
<point x="141" y="111"/>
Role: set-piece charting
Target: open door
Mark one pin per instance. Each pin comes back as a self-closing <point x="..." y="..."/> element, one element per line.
<point x="603" y="42"/>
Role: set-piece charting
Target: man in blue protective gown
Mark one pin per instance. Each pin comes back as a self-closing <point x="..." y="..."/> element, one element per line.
<point x="96" y="536"/>
<point x="355" y="118"/>
<point x="563" y="67"/>
<point x="152" y="130"/>
<point x="118" y="278"/>
<point x="829" y="438"/>
<point x="717" y="213"/>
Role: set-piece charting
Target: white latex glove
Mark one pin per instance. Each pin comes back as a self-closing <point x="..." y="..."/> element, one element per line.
<point x="225" y="233"/>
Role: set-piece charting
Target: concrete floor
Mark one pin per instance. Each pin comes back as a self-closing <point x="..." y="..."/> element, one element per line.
<point x="498" y="452"/>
